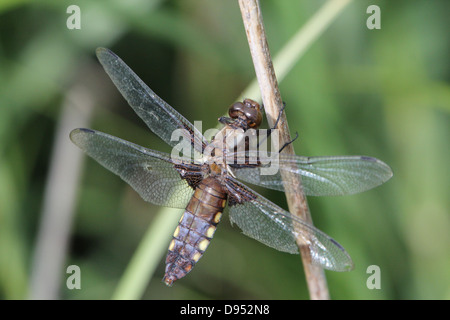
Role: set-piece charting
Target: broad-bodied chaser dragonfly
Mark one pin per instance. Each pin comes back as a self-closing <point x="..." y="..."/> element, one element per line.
<point x="204" y="187"/>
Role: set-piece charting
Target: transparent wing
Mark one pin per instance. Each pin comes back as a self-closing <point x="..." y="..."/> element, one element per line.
<point x="158" y="115"/>
<point x="264" y="221"/>
<point x="152" y="174"/>
<point x="321" y="176"/>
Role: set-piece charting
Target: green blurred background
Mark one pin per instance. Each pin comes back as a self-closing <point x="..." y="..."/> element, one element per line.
<point x="383" y="93"/>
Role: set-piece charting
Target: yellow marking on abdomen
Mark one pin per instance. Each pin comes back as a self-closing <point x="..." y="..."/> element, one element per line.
<point x="217" y="217"/>
<point x="210" y="231"/>
<point x="203" y="244"/>
<point x="177" y="232"/>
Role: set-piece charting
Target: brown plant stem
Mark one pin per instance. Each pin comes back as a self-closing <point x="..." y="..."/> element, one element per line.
<point x="265" y="74"/>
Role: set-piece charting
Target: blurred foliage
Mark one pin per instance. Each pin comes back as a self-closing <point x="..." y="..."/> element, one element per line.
<point x="383" y="93"/>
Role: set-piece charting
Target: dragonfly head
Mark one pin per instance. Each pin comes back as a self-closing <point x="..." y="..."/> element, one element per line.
<point x="248" y="111"/>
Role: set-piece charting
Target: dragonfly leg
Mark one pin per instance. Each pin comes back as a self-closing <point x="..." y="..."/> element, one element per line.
<point x="269" y="132"/>
<point x="288" y="143"/>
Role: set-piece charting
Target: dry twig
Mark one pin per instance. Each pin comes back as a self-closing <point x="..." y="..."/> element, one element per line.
<point x="254" y="27"/>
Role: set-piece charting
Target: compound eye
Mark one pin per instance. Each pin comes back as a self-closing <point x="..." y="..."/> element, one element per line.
<point x="253" y="113"/>
<point x="252" y="104"/>
<point x="236" y="109"/>
<point x="254" y="118"/>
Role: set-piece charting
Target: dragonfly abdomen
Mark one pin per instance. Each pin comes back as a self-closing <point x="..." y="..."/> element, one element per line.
<point x="195" y="229"/>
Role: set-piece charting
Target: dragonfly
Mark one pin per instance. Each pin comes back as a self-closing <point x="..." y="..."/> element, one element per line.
<point x="208" y="182"/>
